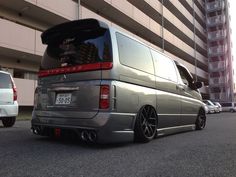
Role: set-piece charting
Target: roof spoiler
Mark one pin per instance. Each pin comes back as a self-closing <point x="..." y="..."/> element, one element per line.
<point x="72" y="26"/>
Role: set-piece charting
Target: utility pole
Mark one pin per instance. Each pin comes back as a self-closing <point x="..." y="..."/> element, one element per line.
<point x="162" y="25"/>
<point x="78" y="9"/>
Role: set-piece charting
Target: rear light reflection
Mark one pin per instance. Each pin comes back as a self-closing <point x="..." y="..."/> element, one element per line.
<point x="104" y="97"/>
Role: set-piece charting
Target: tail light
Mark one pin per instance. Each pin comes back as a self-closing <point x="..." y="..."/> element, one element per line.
<point x="104" y="97"/>
<point x="14" y="89"/>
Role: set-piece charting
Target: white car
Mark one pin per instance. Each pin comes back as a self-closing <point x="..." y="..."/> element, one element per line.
<point x="211" y="107"/>
<point x="8" y="99"/>
<point x="218" y="105"/>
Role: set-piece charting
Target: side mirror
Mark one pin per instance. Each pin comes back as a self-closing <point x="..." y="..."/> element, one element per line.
<point x="196" y="85"/>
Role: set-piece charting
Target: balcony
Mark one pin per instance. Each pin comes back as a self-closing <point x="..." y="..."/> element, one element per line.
<point x="218" y="50"/>
<point x="219" y="81"/>
<point x="222" y="96"/>
<point x="216" y="20"/>
<point x="217" y="66"/>
<point x="214" y="6"/>
<point x="217" y="35"/>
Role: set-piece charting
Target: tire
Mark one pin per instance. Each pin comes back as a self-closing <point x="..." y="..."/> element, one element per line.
<point x="8" y="121"/>
<point x="231" y="110"/>
<point x="145" y="125"/>
<point x="201" y="120"/>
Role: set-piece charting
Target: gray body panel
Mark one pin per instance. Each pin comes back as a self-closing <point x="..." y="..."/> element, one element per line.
<point x="130" y="89"/>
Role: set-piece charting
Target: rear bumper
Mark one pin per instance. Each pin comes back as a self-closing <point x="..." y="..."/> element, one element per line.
<point x="109" y="127"/>
<point x="9" y="110"/>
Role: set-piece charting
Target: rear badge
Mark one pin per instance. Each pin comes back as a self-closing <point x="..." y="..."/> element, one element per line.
<point x="63" y="78"/>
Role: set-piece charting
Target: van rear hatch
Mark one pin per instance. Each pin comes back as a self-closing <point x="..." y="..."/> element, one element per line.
<point x="6" y="91"/>
<point x="71" y="69"/>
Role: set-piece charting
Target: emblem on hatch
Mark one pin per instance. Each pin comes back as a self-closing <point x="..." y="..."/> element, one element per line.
<point x="62" y="78"/>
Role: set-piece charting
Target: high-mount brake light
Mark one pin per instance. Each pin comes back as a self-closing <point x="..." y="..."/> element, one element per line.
<point x="76" y="69"/>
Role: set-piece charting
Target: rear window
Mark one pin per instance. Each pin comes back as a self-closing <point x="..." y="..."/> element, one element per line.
<point x="5" y="81"/>
<point x="77" y="49"/>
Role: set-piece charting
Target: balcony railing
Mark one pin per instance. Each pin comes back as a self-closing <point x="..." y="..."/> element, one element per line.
<point x="216" y="5"/>
<point x="218" y="50"/>
<point x="219" y="81"/>
<point x="222" y="96"/>
<point x="216" y="35"/>
<point x="216" y="20"/>
<point x="217" y="66"/>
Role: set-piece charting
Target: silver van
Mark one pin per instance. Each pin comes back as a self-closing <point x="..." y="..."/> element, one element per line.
<point x="228" y="106"/>
<point x="106" y="86"/>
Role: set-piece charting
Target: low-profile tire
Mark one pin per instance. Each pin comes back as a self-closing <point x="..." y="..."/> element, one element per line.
<point x="8" y="121"/>
<point x="145" y="125"/>
<point x="201" y="120"/>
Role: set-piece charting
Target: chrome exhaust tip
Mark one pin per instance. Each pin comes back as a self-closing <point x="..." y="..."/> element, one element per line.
<point x="84" y="135"/>
<point x="92" y="136"/>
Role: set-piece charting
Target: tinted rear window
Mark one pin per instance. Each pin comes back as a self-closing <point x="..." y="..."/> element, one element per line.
<point x="5" y="81"/>
<point x="76" y="49"/>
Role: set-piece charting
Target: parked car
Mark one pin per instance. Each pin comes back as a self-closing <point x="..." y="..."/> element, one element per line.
<point x="8" y="99"/>
<point x="219" y="107"/>
<point x="106" y="86"/>
<point x="206" y="108"/>
<point x="211" y="107"/>
<point x="228" y="107"/>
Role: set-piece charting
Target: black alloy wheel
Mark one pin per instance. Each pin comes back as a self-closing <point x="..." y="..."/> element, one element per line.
<point x="146" y="124"/>
<point x="201" y="121"/>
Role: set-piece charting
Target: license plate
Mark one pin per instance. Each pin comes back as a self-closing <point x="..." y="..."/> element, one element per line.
<point x="63" y="98"/>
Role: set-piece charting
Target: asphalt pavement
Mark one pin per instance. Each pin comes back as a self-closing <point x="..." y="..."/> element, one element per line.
<point x="207" y="153"/>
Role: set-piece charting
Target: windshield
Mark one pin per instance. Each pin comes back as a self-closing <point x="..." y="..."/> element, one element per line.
<point x="76" y="49"/>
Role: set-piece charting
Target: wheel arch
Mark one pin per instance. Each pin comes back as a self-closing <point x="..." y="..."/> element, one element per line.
<point x="140" y="108"/>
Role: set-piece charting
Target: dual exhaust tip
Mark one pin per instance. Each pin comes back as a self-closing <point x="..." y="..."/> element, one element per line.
<point x="86" y="135"/>
<point x="89" y="136"/>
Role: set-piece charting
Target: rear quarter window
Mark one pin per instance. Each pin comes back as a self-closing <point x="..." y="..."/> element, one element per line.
<point x="5" y="81"/>
<point x="134" y="54"/>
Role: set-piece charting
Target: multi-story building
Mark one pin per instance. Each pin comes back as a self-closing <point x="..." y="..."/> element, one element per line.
<point x="221" y="82"/>
<point x="176" y="27"/>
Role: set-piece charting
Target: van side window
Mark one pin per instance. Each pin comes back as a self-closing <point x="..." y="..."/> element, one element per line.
<point x="134" y="54"/>
<point x="226" y="104"/>
<point x="185" y="76"/>
<point x="164" y="66"/>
